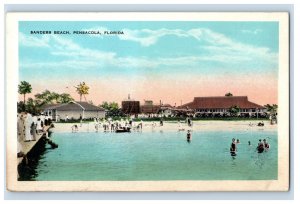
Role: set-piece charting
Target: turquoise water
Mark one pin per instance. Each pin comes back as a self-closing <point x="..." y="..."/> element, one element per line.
<point x="157" y="156"/>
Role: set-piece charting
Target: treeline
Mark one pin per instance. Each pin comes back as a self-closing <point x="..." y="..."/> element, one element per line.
<point x="35" y="105"/>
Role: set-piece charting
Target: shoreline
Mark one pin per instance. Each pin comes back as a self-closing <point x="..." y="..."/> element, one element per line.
<point x="174" y="126"/>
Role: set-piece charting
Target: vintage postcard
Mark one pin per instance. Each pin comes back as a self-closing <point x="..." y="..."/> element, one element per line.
<point x="155" y="101"/>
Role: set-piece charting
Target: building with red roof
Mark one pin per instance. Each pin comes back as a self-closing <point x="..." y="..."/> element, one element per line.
<point x="222" y="104"/>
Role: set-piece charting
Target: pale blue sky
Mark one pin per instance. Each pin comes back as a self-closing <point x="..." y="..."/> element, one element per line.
<point x="153" y="59"/>
<point x="149" y="48"/>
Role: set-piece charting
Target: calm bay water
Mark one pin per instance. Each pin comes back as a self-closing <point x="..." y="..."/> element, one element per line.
<point x="157" y="155"/>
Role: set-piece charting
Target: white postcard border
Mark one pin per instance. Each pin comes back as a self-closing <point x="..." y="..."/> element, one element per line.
<point x="282" y="184"/>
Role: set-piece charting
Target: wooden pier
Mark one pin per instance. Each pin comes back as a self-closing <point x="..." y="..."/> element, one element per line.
<point x="28" y="146"/>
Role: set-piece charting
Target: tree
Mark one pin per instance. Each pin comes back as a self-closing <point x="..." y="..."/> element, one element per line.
<point x="114" y="105"/>
<point x="44" y="98"/>
<point x="272" y="109"/>
<point x="228" y="94"/>
<point x="112" y="109"/>
<point x="110" y="106"/>
<point x="32" y="106"/>
<point x="82" y="89"/>
<point x="24" y="88"/>
<point x="20" y="106"/>
<point x="47" y="97"/>
<point x="65" y="98"/>
<point x="233" y="110"/>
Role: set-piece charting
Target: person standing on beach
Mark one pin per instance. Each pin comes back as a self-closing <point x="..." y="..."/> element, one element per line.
<point x="28" y="122"/>
<point x="112" y="127"/>
<point x="161" y="122"/>
<point x="33" y="131"/>
<point x="80" y="119"/>
<point x="96" y="127"/>
<point x="189" y="122"/>
<point x="39" y="125"/>
<point x="20" y="131"/>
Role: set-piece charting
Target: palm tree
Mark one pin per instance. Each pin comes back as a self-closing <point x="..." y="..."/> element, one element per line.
<point x="24" y="88"/>
<point x="82" y="89"/>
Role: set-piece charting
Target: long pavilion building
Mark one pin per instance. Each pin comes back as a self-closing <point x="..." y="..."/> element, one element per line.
<point x="222" y="104"/>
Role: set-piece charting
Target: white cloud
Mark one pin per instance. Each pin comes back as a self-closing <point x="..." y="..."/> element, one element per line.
<point x="254" y="32"/>
<point x="67" y="47"/>
<point x="30" y="41"/>
<point x="219" y="41"/>
<point x="217" y="48"/>
<point x="147" y="37"/>
<point x="216" y="43"/>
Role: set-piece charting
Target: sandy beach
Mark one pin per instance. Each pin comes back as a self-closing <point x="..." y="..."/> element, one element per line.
<point x="174" y="126"/>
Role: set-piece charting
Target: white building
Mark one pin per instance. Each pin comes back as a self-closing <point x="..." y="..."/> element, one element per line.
<point x="73" y="110"/>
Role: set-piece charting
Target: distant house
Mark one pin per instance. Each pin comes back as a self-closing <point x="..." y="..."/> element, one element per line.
<point x="73" y="110"/>
<point x="166" y="110"/>
<point x="149" y="108"/>
<point x="222" y="104"/>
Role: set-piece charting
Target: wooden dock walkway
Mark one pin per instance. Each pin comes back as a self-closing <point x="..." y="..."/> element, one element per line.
<point x="27" y="146"/>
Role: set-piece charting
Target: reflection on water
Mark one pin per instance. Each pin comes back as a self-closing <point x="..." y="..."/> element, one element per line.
<point x="157" y="155"/>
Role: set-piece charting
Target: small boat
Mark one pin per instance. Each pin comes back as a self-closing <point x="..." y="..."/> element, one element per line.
<point x="127" y="129"/>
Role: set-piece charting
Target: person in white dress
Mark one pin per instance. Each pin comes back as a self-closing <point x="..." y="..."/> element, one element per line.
<point x="20" y="128"/>
<point x="28" y="122"/>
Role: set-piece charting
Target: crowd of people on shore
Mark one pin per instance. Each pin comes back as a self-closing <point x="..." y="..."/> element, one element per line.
<point x="110" y="126"/>
<point x="28" y="127"/>
<point x="127" y="125"/>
